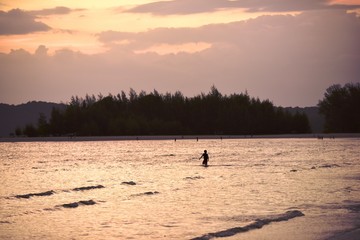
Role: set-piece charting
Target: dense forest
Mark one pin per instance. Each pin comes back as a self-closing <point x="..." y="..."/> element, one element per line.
<point x="167" y="114"/>
<point x="341" y="108"/>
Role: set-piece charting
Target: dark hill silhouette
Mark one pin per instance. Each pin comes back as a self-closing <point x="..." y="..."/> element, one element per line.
<point x="14" y="116"/>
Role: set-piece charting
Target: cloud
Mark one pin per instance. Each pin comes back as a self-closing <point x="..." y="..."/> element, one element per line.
<point x="17" y="21"/>
<point x="322" y="25"/>
<point x="54" y="11"/>
<point x="182" y="7"/>
<point x="138" y="41"/>
<point x="290" y="60"/>
<point x="292" y="5"/>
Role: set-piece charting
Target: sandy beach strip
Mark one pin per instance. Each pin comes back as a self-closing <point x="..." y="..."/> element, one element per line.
<point x="173" y="137"/>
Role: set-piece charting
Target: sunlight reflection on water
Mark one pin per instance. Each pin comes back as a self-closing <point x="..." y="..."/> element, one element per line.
<point x="171" y="195"/>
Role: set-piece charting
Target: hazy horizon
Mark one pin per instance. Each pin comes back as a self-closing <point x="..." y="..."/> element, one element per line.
<point x="288" y="52"/>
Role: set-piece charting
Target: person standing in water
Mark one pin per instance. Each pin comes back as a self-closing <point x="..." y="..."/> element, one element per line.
<point x="206" y="158"/>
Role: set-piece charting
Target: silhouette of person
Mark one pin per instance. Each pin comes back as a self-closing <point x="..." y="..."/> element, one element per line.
<point x="206" y="158"/>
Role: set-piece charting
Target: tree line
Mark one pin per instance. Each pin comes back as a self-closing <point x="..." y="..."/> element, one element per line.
<point x="341" y="108"/>
<point x="168" y="114"/>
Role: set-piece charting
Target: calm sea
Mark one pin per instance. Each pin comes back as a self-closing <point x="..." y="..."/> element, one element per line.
<point x="253" y="189"/>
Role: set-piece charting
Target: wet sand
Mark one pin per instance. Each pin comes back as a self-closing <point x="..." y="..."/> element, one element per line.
<point x="347" y="235"/>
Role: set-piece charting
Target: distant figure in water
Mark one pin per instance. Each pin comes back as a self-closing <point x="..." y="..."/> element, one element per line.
<point x="206" y="158"/>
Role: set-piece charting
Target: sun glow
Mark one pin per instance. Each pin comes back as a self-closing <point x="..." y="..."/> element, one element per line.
<point x="78" y="29"/>
<point x="82" y="42"/>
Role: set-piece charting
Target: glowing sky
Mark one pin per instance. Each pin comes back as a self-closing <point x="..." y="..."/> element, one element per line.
<point x="287" y="51"/>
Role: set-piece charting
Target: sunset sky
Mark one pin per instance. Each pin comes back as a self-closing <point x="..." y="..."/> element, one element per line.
<point x="287" y="51"/>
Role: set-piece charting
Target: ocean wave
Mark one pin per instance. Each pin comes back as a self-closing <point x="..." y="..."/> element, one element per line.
<point x="129" y="183"/>
<point x="51" y="192"/>
<point x="259" y="223"/>
<point x="41" y="194"/>
<point x="193" y="178"/>
<point x="88" y="188"/>
<point x="77" y="204"/>
<point x="352" y="206"/>
<point x="167" y="155"/>
<point x="5" y="222"/>
<point x="145" y="193"/>
<point x="349" y="205"/>
<point x="326" y="166"/>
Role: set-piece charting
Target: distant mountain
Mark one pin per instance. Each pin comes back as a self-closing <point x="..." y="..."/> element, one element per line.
<point x="316" y="120"/>
<point x="13" y="116"/>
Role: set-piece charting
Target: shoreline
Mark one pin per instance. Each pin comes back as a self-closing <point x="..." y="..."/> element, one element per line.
<point x="176" y="137"/>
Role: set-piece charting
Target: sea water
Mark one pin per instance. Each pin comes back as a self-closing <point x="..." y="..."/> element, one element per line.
<point x="157" y="189"/>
